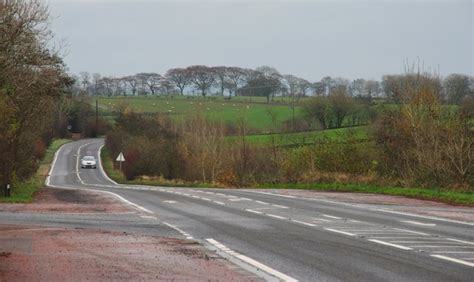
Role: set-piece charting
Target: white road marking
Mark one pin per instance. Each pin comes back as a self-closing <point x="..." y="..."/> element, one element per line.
<point x="186" y="235"/>
<point x="410" y="231"/>
<point x="125" y="201"/>
<point x="235" y="200"/>
<point x="263" y="203"/>
<point x="280" y="206"/>
<point x="219" y="203"/>
<point x="394" y="237"/>
<point x="196" y="197"/>
<point x="420" y="242"/>
<point x="272" y="194"/>
<point x="252" y="262"/>
<point x="389" y="244"/>
<point x="321" y="219"/>
<point x="454" y="260"/>
<point x="52" y="165"/>
<point x="452" y="252"/>
<point x="148" y="217"/>
<point x="339" y="231"/>
<point x="442" y="246"/>
<point x="304" y="223"/>
<point x="206" y="199"/>
<point x="460" y="241"/>
<point x="101" y="167"/>
<point x="275" y="216"/>
<point x="169" y="202"/>
<point x="331" y="216"/>
<point x="418" y="223"/>
<point x="426" y="217"/>
<point x="253" y="211"/>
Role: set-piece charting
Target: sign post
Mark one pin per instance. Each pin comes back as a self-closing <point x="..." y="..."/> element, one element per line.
<point x="120" y="158"/>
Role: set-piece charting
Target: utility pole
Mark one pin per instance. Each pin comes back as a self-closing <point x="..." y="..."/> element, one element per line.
<point x="96" y="116"/>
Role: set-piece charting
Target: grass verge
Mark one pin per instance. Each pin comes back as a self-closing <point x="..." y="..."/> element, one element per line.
<point x="438" y="195"/>
<point x="22" y="192"/>
<point x="117" y="176"/>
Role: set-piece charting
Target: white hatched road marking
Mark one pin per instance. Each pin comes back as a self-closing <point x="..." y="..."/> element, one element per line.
<point x="418" y="223"/>
<point x="148" y="217"/>
<point x="414" y="232"/>
<point x="275" y="216"/>
<point x="460" y="241"/>
<point x="304" y="223"/>
<point x="252" y="262"/>
<point x="331" y="216"/>
<point x="390" y="244"/>
<point x="454" y="260"/>
<point x="263" y="203"/>
<point x="254" y="211"/>
<point x="341" y="232"/>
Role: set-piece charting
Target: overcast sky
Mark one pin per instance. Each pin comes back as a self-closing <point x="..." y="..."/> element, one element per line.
<point x="310" y="39"/>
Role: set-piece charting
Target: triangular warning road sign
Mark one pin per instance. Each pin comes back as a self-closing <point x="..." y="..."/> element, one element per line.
<point x="120" y="158"/>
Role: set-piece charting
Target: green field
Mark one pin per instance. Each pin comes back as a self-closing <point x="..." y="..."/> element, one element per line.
<point x="254" y="110"/>
<point x="359" y="133"/>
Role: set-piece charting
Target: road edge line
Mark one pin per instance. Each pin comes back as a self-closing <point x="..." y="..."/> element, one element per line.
<point x="102" y="167"/>
<point x="260" y="267"/>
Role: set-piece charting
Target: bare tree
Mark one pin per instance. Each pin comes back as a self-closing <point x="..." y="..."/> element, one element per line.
<point x="202" y="77"/>
<point x="85" y="80"/>
<point x="456" y="87"/>
<point x="132" y="81"/>
<point x="220" y="77"/>
<point x="179" y="77"/>
<point x="235" y="76"/>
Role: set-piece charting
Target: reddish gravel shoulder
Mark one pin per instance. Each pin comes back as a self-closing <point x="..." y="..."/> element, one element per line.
<point x="49" y="200"/>
<point x="32" y="253"/>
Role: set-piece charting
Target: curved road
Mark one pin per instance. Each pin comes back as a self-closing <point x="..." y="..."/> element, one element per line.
<point x="285" y="237"/>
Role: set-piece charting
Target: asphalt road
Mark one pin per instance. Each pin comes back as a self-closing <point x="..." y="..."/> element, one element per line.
<point x="280" y="236"/>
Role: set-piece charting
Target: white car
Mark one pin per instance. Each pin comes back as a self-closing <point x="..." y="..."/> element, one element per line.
<point x="88" y="161"/>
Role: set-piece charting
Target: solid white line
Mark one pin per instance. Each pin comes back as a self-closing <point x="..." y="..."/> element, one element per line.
<point x="125" y="201"/>
<point x="391" y="245"/>
<point x="410" y="231"/>
<point x="460" y="241"/>
<point x="52" y="165"/>
<point x="339" y="231"/>
<point x="101" y="167"/>
<point x="454" y="260"/>
<point x="331" y="216"/>
<point x="304" y="223"/>
<point x="275" y="216"/>
<point x="253" y="262"/>
<point x="418" y="223"/>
